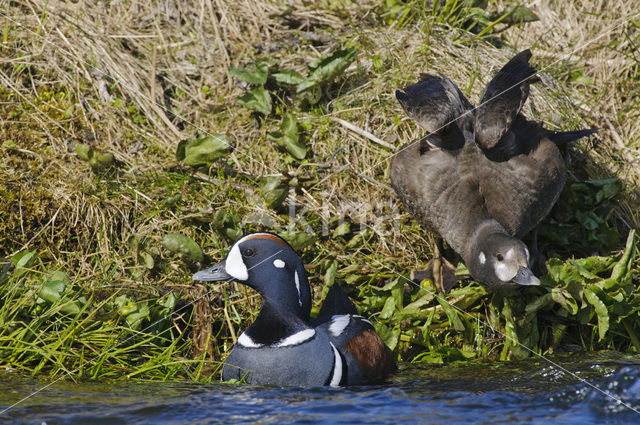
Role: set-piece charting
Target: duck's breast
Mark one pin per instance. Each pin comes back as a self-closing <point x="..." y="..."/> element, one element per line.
<point x="306" y="364"/>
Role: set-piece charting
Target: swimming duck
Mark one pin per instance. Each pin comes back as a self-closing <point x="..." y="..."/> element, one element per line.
<point x="482" y="178"/>
<point x="284" y="346"/>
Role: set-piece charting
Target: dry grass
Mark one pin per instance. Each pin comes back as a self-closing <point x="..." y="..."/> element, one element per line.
<point x="135" y="78"/>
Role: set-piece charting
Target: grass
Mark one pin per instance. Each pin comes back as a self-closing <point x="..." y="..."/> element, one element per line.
<point x="110" y="191"/>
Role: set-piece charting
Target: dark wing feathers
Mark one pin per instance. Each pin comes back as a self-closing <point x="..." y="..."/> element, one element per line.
<point x="438" y="106"/>
<point x="335" y="303"/>
<point x="502" y="101"/>
<point x="562" y="137"/>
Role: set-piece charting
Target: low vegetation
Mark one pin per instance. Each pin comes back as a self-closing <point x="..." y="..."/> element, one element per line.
<point x="139" y="141"/>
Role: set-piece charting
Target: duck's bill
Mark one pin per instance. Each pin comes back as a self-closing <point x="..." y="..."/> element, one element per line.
<point x="213" y="274"/>
<point x="526" y="277"/>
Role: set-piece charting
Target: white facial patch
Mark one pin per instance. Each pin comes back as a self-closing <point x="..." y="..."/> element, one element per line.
<point x="526" y="251"/>
<point x="278" y="263"/>
<point x="339" y="324"/>
<point x="337" y="367"/>
<point x="503" y="272"/>
<point x="297" y="281"/>
<point x="509" y="253"/>
<point x="482" y="258"/>
<point x="234" y="265"/>
<point x="246" y="341"/>
<point x="297" y="338"/>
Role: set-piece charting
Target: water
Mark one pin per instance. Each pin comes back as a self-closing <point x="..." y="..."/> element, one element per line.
<point x="532" y="392"/>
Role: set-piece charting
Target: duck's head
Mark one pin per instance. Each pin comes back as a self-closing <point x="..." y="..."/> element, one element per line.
<point x="268" y="264"/>
<point x="498" y="260"/>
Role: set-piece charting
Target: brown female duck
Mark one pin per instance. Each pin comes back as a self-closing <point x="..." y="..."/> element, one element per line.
<point x="481" y="178"/>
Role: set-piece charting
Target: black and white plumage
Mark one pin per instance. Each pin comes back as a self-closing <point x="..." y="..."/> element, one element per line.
<point x="284" y="346"/>
<point x="493" y="180"/>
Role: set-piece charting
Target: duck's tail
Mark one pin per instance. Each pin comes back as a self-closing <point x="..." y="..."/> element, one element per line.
<point x="562" y="137"/>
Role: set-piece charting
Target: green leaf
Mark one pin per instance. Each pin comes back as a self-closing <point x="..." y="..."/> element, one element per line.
<point x="443" y="355"/>
<point x="52" y="291"/>
<point x="147" y="259"/>
<point x="254" y="74"/>
<point x="299" y="240"/>
<point x="101" y="160"/>
<point x="273" y="191"/>
<point x="623" y="266"/>
<point x="414" y="310"/>
<point x="512" y="340"/>
<point x="452" y="314"/>
<point x="203" y="149"/>
<point x="595" y="264"/>
<point x="540" y="303"/>
<point x="136" y="314"/>
<point x="389" y="286"/>
<point x="25" y="259"/>
<point x="22" y="262"/>
<point x="601" y="312"/>
<point x="288" y="77"/>
<point x="288" y="137"/>
<point x="223" y="219"/>
<point x="58" y="275"/>
<point x="563" y="273"/>
<point x="71" y="308"/>
<point x="343" y="228"/>
<point x="325" y="68"/>
<point x="97" y="159"/>
<point x="564" y="298"/>
<point x="181" y="244"/>
<point x="83" y="151"/>
<point x="168" y="302"/>
<point x="330" y="274"/>
<point x="517" y="15"/>
<point x="257" y="99"/>
<point x="4" y="273"/>
<point x="233" y="234"/>
<point x="388" y="309"/>
<point x="389" y="336"/>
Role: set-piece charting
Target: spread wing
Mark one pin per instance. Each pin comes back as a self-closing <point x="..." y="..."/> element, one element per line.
<point x="502" y="101"/>
<point x="439" y="107"/>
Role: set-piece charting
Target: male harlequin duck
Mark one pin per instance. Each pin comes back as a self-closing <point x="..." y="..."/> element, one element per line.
<point x="284" y="346"/>
<point x="484" y="178"/>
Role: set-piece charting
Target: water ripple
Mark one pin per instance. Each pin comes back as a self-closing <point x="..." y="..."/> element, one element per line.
<point x="529" y="393"/>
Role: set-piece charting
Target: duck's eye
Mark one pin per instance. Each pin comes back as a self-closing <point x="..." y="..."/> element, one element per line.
<point x="499" y="257"/>
<point x="248" y="252"/>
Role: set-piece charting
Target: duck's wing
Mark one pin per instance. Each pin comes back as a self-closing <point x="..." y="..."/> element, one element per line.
<point x="438" y="106"/>
<point x="366" y="357"/>
<point x="502" y="101"/>
<point x="335" y="303"/>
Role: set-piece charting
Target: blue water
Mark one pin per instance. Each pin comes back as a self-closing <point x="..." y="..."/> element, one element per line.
<point x="531" y="392"/>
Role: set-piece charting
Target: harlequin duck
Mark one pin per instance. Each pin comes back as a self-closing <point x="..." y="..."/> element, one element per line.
<point x="284" y="346"/>
<point x="484" y="178"/>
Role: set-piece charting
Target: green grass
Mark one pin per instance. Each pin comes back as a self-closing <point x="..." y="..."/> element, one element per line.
<point x="111" y="191"/>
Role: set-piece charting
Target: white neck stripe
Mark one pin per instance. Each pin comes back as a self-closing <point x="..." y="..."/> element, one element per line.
<point x="297" y="338"/>
<point x="246" y="341"/>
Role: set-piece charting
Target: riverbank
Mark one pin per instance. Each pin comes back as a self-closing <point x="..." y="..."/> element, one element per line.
<point x="118" y="180"/>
